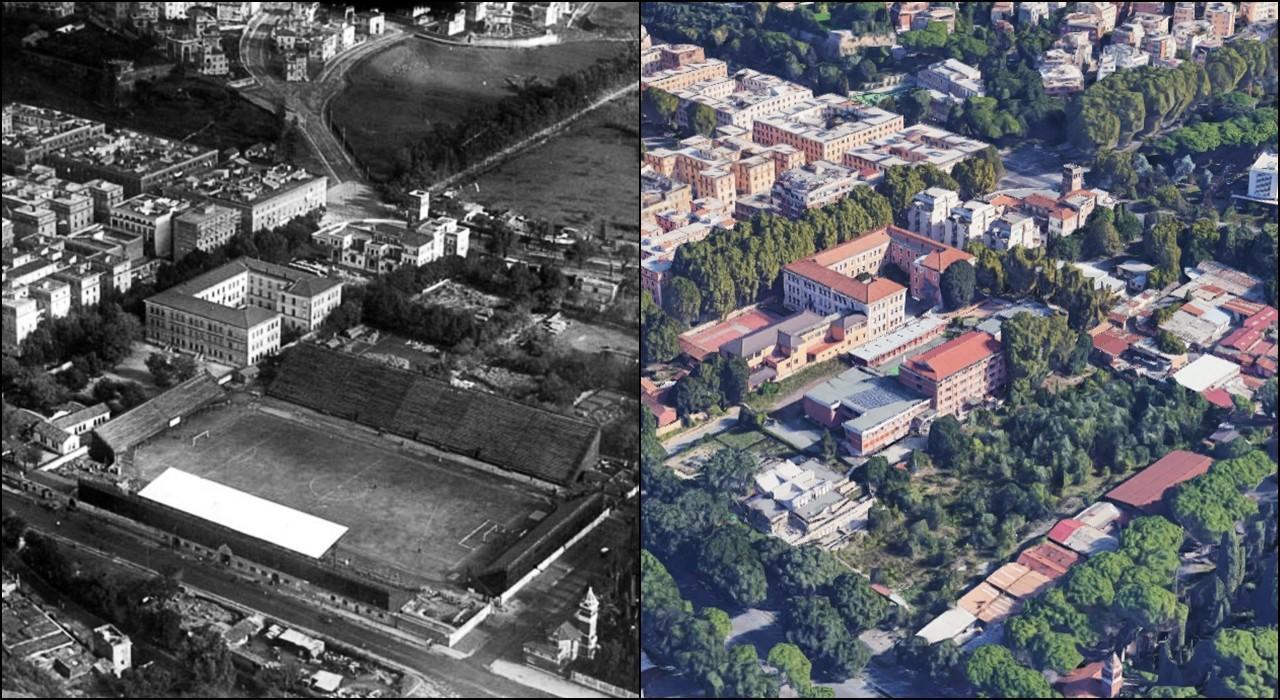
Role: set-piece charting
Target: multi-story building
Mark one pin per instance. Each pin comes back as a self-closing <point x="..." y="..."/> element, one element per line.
<point x="52" y="296"/>
<point x="21" y="316"/>
<point x="105" y="196"/>
<point x="137" y="162"/>
<point x="1184" y="12"/>
<point x="741" y="99"/>
<point x="825" y="127"/>
<point x="927" y="214"/>
<point x="381" y="248"/>
<point x="264" y="196"/>
<point x="952" y="80"/>
<point x="1161" y="46"/>
<point x="779" y="350"/>
<point x="151" y="217"/>
<point x="838" y="281"/>
<point x="661" y="193"/>
<point x="1253" y="12"/>
<point x="1117" y="57"/>
<point x="874" y="411"/>
<point x="31" y="132"/>
<point x="1104" y="11"/>
<point x="1061" y="80"/>
<point x="1012" y="230"/>
<point x="295" y="67"/>
<point x="961" y="371"/>
<point x="203" y="227"/>
<point x="966" y="223"/>
<point x="29" y="221"/>
<point x="1129" y="34"/>
<point x="1262" y="177"/>
<point x="814" y="185"/>
<point x="679" y="67"/>
<point x="30" y="199"/>
<point x="234" y="313"/>
<point x="1030" y="12"/>
<point x="805" y="503"/>
<point x="84" y="281"/>
<point x="918" y="144"/>
<point x="1222" y="18"/>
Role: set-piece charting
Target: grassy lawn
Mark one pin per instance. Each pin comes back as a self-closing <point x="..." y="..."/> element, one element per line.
<point x="824" y="17"/>
<point x="741" y="440"/>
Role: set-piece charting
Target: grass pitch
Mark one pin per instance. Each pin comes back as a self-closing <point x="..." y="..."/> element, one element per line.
<point x="406" y="513"/>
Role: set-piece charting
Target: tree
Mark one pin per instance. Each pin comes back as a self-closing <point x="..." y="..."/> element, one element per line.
<point x="948" y="445"/>
<point x="1101" y="239"/>
<point x="1170" y="343"/>
<point x="994" y="671"/>
<point x="957" y="286"/>
<point x="702" y="119"/>
<point x="683" y="300"/>
<point x="743" y="677"/>
<point x="732" y="567"/>
<point x="900" y="184"/>
<point x="1127" y="224"/>
<point x="793" y="665"/>
<point x="1238" y="663"/>
<point x="729" y="471"/>
<point x="860" y="606"/>
<point x="816" y="628"/>
<point x="663" y="102"/>
<point x="661" y="341"/>
<point x="1266" y="398"/>
<point x="915" y="107"/>
<point x="804" y="570"/>
<point x="975" y="176"/>
<point x="719" y="620"/>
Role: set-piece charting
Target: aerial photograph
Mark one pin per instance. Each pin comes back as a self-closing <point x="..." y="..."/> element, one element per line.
<point x="958" y="349"/>
<point x="321" y="346"/>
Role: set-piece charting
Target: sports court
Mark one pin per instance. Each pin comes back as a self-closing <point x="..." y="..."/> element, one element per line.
<point x="699" y="344"/>
<point x="406" y="513"/>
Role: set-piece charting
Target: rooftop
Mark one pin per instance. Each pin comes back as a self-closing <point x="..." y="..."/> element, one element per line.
<point x="954" y="355"/>
<point x="1145" y="490"/>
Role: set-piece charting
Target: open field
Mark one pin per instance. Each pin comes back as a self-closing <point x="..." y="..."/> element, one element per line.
<point x="394" y="97"/>
<point x="412" y="512"/>
<point x="592" y="181"/>
<point x="596" y="337"/>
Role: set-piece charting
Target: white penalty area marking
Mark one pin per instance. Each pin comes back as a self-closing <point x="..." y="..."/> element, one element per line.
<point x="492" y="525"/>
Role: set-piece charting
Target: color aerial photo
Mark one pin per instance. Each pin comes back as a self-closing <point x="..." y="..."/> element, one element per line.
<point x="959" y="356"/>
<point x="321" y="349"/>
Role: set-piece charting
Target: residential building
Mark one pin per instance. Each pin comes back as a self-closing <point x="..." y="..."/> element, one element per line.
<point x="962" y="371"/>
<point x="825" y="127"/>
<point x="679" y="67"/>
<point x="1030" y="12"/>
<point x="1161" y="46"/>
<point x="742" y="98"/>
<point x="150" y="216"/>
<point x="31" y="132"/>
<point x="295" y="67"/>
<point x="1012" y="230"/>
<point x="1121" y="57"/>
<point x="1262" y="177"/>
<point x="966" y="223"/>
<point x="384" y="247"/>
<point x="921" y="143"/>
<point x="1222" y="18"/>
<point x="1257" y="12"/>
<point x="814" y="185"/>
<point x="928" y="212"/>
<point x="1129" y="34"/>
<point x="137" y="162"/>
<point x="874" y="411"/>
<point x="21" y="316"/>
<point x="265" y="196"/>
<point x="1184" y="12"/>
<point x="1061" y="80"/>
<point x="205" y="227"/>
<point x="84" y="283"/>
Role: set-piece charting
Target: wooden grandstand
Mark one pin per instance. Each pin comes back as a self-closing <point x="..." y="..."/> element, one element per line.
<point x="147" y="420"/>
<point x="525" y="439"/>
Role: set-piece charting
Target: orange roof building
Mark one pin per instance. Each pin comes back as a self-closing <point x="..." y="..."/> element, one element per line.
<point x="1049" y="559"/>
<point x="1146" y="490"/>
<point x="970" y="367"/>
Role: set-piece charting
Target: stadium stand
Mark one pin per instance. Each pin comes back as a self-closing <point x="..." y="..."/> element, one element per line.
<point x="554" y="530"/>
<point x="143" y="422"/>
<point x="492" y="429"/>
<point x="330" y="576"/>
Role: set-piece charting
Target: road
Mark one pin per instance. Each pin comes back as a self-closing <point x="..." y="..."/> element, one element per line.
<point x="464" y="677"/>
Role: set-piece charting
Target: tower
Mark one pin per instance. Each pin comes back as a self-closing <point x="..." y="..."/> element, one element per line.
<point x="1072" y="177"/>
<point x="1112" y="677"/>
<point x="588" y="614"/>
<point x="419" y="206"/>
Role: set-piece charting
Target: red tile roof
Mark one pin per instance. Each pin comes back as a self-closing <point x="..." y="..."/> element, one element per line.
<point x="1218" y="397"/>
<point x="1086" y="193"/>
<point x="1039" y="201"/>
<point x="1005" y="200"/>
<point x="1113" y="341"/>
<point x="848" y="249"/>
<point x="1049" y="559"/>
<point x="1062" y="531"/>
<point x="1062" y="213"/>
<point x="1145" y="490"/>
<point x="940" y="260"/>
<point x="863" y="292"/>
<point x="954" y="355"/>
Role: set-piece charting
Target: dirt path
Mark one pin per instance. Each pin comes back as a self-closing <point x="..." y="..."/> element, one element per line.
<point x="532" y="140"/>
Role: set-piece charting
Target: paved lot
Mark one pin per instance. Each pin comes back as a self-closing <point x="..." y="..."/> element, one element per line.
<point x="1031" y="165"/>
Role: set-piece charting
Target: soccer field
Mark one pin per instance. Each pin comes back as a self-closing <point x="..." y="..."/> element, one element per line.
<point x="407" y="513"/>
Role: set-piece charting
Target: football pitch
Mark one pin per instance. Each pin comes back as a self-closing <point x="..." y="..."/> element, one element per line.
<point x="417" y="515"/>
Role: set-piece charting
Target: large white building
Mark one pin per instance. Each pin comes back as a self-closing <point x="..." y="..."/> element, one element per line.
<point x="234" y="314"/>
<point x="1262" y="177"/>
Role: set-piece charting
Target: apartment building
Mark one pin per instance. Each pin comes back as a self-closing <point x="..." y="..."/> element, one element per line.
<point x="205" y="227"/>
<point x="384" y="247"/>
<point x="135" y="161"/>
<point x="825" y="127"/>
<point x="928" y="212"/>
<point x="149" y="216"/>
<point x="1116" y="57"/>
<point x="31" y="132"/>
<point x="266" y="196"/>
<point x="811" y="186"/>
<point x="951" y="80"/>
<point x="679" y="67"/>
<point x="1013" y="230"/>
<point x="740" y="99"/>
<point x="29" y="197"/>
<point x="1252" y="12"/>
<point x="1221" y="17"/>
<point x="921" y="143"/>
<point x="1262" y="177"/>
<point x="966" y="223"/>
<point x="21" y="316"/>
<point x="962" y="371"/>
